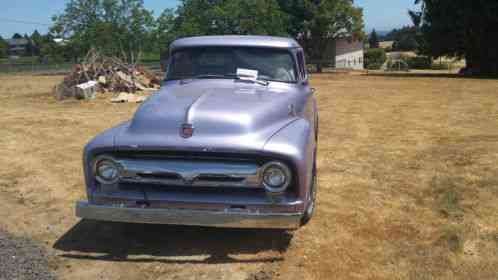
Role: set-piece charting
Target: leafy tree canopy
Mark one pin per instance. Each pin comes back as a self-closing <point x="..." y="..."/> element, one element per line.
<point x="3" y="48"/>
<point x="316" y="22"/>
<point x="125" y="26"/>
<point x="116" y="27"/>
<point x="405" y="38"/>
<point x="373" y="40"/>
<point x="209" y="17"/>
<point x="460" y="28"/>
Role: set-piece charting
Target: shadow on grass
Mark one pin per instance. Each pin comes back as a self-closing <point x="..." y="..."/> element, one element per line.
<point x="105" y="241"/>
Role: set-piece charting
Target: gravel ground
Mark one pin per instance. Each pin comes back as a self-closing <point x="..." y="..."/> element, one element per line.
<point x="21" y="259"/>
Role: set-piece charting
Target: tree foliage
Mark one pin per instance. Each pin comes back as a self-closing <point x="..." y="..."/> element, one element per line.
<point x="115" y="27"/>
<point x="313" y="22"/>
<point x="374" y="58"/>
<point x="405" y="38"/>
<point x="316" y="22"/>
<point x="164" y="32"/>
<point x="37" y="42"/>
<point x="4" y="48"/>
<point x="53" y="52"/>
<point x="220" y="17"/>
<point x="460" y="28"/>
<point x="243" y="17"/>
<point x="125" y="26"/>
<point x="373" y="40"/>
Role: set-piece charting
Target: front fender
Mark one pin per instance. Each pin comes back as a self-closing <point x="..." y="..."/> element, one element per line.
<point x="296" y="142"/>
<point x="104" y="142"/>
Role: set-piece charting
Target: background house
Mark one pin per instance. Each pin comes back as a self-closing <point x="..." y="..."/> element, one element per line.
<point x="17" y="47"/>
<point x="345" y="53"/>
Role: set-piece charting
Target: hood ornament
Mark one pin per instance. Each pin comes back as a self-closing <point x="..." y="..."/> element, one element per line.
<point x="187" y="130"/>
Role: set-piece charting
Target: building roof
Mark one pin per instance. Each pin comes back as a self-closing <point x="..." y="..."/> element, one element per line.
<point x="235" y="41"/>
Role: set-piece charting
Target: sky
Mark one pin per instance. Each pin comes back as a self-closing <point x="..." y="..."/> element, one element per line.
<point x="24" y="16"/>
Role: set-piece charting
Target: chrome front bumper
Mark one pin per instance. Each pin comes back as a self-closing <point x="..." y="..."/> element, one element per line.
<point x="230" y="219"/>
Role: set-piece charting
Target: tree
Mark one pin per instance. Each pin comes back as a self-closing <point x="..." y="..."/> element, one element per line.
<point x="17" y="36"/>
<point x="316" y="22"/>
<point x="209" y="17"/>
<point x="36" y="39"/>
<point x="405" y="38"/>
<point x="4" y="48"/>
<point x="374" y="58"/>
<point x="29" y="49"/>
<point x="460" y="28"/>
<point x="56" y="52"/>
<point x="373" y="40"/>
<point x="164" y="34"/>
<point x="115" y="27"/>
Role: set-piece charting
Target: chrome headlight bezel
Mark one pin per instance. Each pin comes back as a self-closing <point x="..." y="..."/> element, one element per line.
<point x="284" y="169"/>
<point x="110" y="161"/>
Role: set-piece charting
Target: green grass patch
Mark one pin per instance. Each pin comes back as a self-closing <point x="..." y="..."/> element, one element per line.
<point x="447" y="197"/>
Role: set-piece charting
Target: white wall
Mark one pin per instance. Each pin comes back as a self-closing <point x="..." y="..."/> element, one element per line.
<point x="352" y="60"/>
<point x="349" y="54"/>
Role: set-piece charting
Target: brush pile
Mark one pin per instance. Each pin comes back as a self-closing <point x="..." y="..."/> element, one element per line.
<point x="99" y="73"/>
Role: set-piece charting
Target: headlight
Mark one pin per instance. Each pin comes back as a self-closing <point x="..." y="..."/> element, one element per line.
<point x="106" y="170"/>
<point x="276" y="177"/>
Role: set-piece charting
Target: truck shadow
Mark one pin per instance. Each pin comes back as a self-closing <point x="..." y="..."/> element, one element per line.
<point x="104" y="241"/>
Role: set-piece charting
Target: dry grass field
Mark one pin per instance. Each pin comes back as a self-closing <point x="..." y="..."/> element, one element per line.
<point x="408" y="174"/>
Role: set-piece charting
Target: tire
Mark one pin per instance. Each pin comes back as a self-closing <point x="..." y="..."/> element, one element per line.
<point x="310" y="210"/>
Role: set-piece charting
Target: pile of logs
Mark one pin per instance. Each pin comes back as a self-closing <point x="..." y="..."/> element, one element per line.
<point x="99" y="73"/>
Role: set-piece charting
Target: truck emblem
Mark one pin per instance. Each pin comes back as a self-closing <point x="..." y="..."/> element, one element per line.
<point x="187" y="130"/>
<point x="189" y="178"/>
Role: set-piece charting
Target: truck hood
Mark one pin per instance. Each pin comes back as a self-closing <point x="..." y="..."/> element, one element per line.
<point x="224" y="114"/>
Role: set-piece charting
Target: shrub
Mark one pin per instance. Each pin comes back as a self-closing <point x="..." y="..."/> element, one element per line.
<point x="440" y="66"/>
<point x="374" y="58"/>
<point x="397" y="65"/>
<point x="373" y="66"/>
<point x="3" y="48"/>
<point x="419" y="62"/>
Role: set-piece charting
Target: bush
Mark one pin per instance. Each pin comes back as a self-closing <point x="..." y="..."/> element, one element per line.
<point x="419" y="62"/>
<point x="3" y="48"/>
<point x="374" y="58"/>
<point x="373" y="66"/>
<point x="397" y="65"/>
<point x="440" y="66"/>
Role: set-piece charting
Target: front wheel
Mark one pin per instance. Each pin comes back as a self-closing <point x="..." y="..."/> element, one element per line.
<point x="310" y="210"/>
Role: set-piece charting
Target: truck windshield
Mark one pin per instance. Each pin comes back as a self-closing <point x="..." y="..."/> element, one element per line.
<point x="217" y="62"/>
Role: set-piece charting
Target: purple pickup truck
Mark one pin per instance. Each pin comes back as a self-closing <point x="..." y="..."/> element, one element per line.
<point x="229" y="140"/>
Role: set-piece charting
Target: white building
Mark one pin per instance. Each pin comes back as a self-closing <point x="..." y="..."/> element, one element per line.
<point x="344" y="53"/>
<point x="348" y="54"/>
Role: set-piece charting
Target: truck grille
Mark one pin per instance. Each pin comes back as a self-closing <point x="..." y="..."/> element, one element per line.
<point x="190" y="172"/>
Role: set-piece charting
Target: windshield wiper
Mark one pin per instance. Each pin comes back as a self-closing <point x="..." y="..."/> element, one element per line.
<point x="227" y="76"/>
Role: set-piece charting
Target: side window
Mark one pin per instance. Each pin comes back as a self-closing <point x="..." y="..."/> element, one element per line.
<point x="302" y="64"/>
